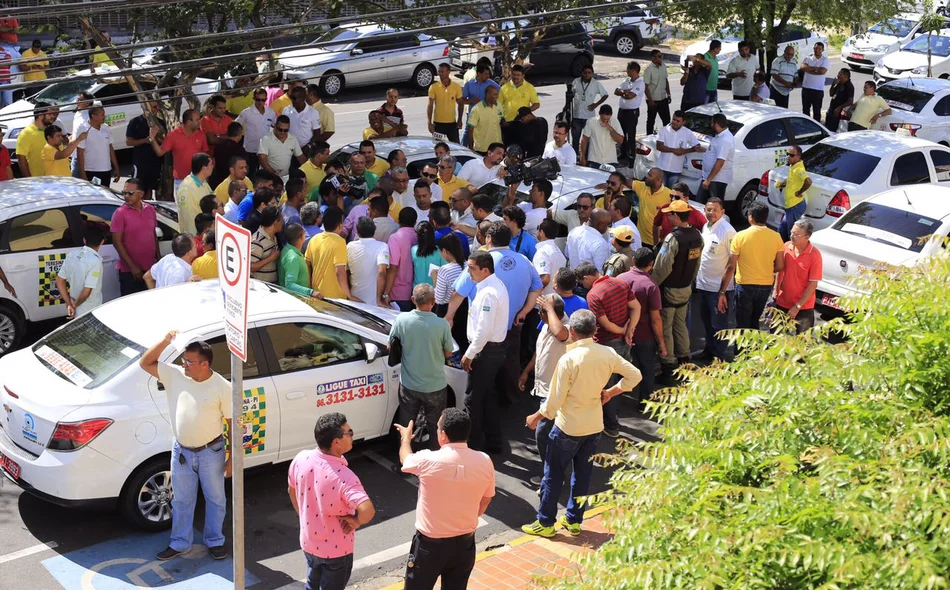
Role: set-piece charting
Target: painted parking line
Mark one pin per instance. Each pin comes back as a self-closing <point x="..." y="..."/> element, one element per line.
<point x="129" y="562"/>
<point x="28" y="551"/>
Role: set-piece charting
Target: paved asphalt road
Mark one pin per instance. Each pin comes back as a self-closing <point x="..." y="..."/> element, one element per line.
<point x="46" y="547"/>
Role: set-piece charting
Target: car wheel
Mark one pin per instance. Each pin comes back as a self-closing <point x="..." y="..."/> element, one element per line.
<point x="12" y="327"/>
<point x="578" y="64"/>
<point x="331" y="84"/>
<point x="625" y="44"/>
<point x="423" y="77"/>
<point x="146" y="501"/>
<point x="749" y="193"/>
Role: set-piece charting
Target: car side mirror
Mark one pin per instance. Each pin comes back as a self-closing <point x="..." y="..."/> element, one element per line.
<point x="374" y="351"/>
<point x="159" y="233"/>
<point x="356" y="51"/>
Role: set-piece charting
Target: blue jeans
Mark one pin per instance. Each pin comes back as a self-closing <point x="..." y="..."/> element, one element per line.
<point x="714" y="322"/>
<point x="564" y="450"/>
<point x="328" y="573"/>
<point x="542" y="436"/>
<point x="750" y="303"/>
<point x="670" y="178"/>
<point x="6" y="97"/>
<point x="207" y="468"/>
<point x="792" y="215"/>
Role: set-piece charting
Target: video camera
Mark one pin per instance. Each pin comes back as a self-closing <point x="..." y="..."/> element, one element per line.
<point x="546" y="169"/>
<point x="355" y="186"/>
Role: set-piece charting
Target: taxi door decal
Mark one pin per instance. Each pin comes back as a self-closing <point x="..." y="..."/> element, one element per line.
<point x="254" y="421"/>
<point x="49" y="265"/>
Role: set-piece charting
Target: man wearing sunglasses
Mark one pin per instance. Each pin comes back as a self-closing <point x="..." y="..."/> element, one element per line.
<point x="795" y="187"/>
<point x="134" y="238"/>
<point x="430" y="174"/>
<point x="278" y="147"/>
<point x="257" y="121"/>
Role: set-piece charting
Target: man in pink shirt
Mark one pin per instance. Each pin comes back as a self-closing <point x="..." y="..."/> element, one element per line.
<point x="134" y="238"/>
<point x="331" y="504"/>
<point x="456" y="484"/>
<point x="398" y="287"/>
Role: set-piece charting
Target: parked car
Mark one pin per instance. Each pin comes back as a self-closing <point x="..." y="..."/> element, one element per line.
<point x="864" y="50"/>
<point x="798" y="36"/>
<point x="115" y="94"/>
<point x="763" y="134"/>
<point x="41" y="222"/>
<point x="86" y="426"/>
<point x="920" y="107"/>
<point x="419" y="150"/>
<point x="851" y="167"/>
<point x="911" y="60"/>
<point x="361" y="54"/>
<point x="897" y="227"/>
<point x="627" y="31"/>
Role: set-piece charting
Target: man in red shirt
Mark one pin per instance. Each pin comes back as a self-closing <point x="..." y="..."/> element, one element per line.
<point x="662" y="226"/>
<point x="617" y="312"/>
<point x="215" y="124"/>
<point x="795" y="286"/>
<point x="6" y="164"/>
<point x="134" y="238"/>
<point x="183" y="142"/>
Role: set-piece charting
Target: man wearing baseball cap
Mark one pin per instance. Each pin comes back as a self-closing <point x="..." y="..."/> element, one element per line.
<point x="622" y="258"/>
<point x="674" y="271"/>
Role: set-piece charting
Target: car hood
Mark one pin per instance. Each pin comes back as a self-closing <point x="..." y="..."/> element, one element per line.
<point x="908" y="60"/>
<point x="17" y="115"/>
<point x="871" y="40"/>
<point x="301" y="58"/>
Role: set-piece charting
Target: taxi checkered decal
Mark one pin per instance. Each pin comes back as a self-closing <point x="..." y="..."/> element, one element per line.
<point x="49" y="265"/>
<point x="255" y="421"/>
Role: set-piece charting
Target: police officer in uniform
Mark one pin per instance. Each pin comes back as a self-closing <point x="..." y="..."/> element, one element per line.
<point x="622" y="258"/>
<point x="674" y="271"/>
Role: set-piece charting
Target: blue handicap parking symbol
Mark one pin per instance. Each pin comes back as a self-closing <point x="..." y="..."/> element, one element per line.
<point x="129" y="562"/>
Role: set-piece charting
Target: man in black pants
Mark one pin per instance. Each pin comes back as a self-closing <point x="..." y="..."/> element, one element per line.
<point x="456" y="484"/>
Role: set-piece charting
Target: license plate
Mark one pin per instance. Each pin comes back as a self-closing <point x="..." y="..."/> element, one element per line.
<point x="830" y="301"/>
<point x="457" y="61"/>
<point x="857" y="56"/>
<point x="10" y="466"/>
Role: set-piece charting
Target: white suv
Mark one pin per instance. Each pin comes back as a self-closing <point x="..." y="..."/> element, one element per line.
<point x="628" y="31"/>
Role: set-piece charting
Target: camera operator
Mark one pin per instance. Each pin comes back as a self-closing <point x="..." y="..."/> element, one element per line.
<point x="586" y="95"/>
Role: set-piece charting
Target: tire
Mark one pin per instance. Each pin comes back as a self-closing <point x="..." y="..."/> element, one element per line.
<point x="625" y="44"/>
<point x="423" y="77"/>
<point x="150" y="482"/>
<point x="579" y="63"/>
<point x="749" y="193"/>
<point x="12" y="328"/>
<point x="332" y="84"/>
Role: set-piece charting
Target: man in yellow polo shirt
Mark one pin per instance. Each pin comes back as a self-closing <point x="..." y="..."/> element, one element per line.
<point x="444" y="112"/>
<point x="653" y="196"/>
<point x="313" y="168"/>
<point x="448" y="181"/>
<point x="519" y="100"/>
<point x="283" y="101"/>
<point x="32" y="140"/>
<point x="374" y="164"/>
<point x="796" y="186"/>
<point x="206" y="265"/>
<point x="484" y="122"/>
<point x="35" y="70"/>
<point x="237" y="170"/>
<point x="55" y="154"/>
<point x="327" y="117"/>
<point x="326" y="257"/>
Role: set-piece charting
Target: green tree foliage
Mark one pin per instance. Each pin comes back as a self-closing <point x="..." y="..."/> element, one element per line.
<point x="802" y="464"/>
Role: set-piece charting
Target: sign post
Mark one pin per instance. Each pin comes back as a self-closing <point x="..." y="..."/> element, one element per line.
<point x="233" y="244"/>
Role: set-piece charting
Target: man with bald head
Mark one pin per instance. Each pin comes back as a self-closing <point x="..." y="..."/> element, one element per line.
<point x="653" y="196"/>
<point x="586" y="242"/>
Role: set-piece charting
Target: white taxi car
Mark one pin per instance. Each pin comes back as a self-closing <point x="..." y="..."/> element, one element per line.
<point x="41" y="221"/>
<point x="851" y="167"/>
<point x="629" y="30"/>
<point x="898" y="227"/>
<point x="84" y="425"/>
<point x="762" y="133"/>
<point x="921" y="106"/>
<point x="864" y="50"/>
<point x="911" y="60"/>
<point x="796" y="35"/>
<point x="419" y="150"/>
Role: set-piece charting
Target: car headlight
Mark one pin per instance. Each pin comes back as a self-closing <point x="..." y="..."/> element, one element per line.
<point x="13" y="133"/>
<point x="880" y="63"/>
<point x="920" y="70"/>
<point x="881" y="48"/>
<point x="847" y="42"/>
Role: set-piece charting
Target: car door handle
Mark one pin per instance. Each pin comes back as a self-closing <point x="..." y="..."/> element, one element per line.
<point x="296" y="395"/>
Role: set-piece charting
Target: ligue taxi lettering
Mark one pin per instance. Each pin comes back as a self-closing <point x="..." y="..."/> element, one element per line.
<point x="347" y="390"/>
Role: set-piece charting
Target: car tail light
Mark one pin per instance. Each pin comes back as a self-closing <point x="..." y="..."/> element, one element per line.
<point x="70" y="436"/>
<point x="643" y="149"/>
<point x="911" y="128"/>
<point x="445" y="52"/>
<point x="10" y="393"/>
<point x="764" y="185"/>
<point x="697" y="164"/>
<point x="839" y="204"/>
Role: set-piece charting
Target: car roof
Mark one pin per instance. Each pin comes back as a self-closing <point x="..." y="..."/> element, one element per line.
<point x="43" y="191"/>
<point x="743" y="111"/>
<point x="929" y="85"/>
<point x="877" y="142"/>
<point x="412" y="145"/>
<point x="925" y="199"/>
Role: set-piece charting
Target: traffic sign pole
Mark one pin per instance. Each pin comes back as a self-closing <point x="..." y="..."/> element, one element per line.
<point x="237" y="472"/>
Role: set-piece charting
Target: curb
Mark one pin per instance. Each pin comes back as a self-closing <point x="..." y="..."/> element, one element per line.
<point x="513" y="543"/>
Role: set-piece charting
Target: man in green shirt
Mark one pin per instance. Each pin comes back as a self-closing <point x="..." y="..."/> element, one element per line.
<point x="292" y="268"/>
<point x="712" y="64"/>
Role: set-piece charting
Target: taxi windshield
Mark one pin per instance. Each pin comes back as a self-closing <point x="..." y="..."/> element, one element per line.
<point x="905" y="99"/>
<point x="63" y="92"/>
<point x="347" y="313"/>
<point x="939" y="45"/>
<point x="895" y="227"/>
<point x="899" y="27"/>
<point x="86" y="352"/>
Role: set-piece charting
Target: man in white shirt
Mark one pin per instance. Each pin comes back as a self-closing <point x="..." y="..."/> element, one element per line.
<point x="96" y="156"/>
<point x="631" y="93"/>
<point x="600" y="139"/>
<point x="717" y="161"/>
<point x="481" y="171"/>
<point x="174" y="268"/>
<point x="422" y="193"/>
<point x="784" y="70"/>
<point x="558" y="148"/>
<point x="460" y="201"/>
<point x="83" y="103"/>
<point x="548" y="258"/>
<point x="536" y="209"/>
<point x="741" y="71"/>
<point x="79" y="279"/>
<point x="656" y="80"/>
<point x="674" y="142"/>
<point x="814" y="68"/>
<point x="368" y="260"/>
<point x="487" y="330"/>
<point x="586" y="92"/>
<point x="257" y="121"/>
<point x="586" y="243"/>
<point x="619" y="210"/>
<point x="379" y="213"/>
<point x="572" y="218"/>
<point x="278" y="147"/>
<point x="718" y="234"/>
<point x="304" y="119"/>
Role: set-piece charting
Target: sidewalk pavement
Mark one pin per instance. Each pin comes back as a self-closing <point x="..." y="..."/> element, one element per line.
<point x="521" y="562"/>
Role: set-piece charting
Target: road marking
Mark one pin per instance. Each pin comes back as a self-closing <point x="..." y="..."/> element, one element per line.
<point x="377" y="458"/>
<point x="28" y="551"/>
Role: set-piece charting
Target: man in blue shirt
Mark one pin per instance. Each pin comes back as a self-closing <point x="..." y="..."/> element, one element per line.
<point x="524" y="287"/>
<point x="473" y="92"/>
<point x="521" y="241"/>
<point x="441" y="217"/>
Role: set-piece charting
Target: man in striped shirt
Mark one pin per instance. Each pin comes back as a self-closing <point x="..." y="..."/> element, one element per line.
<point x="264" y="250"/>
